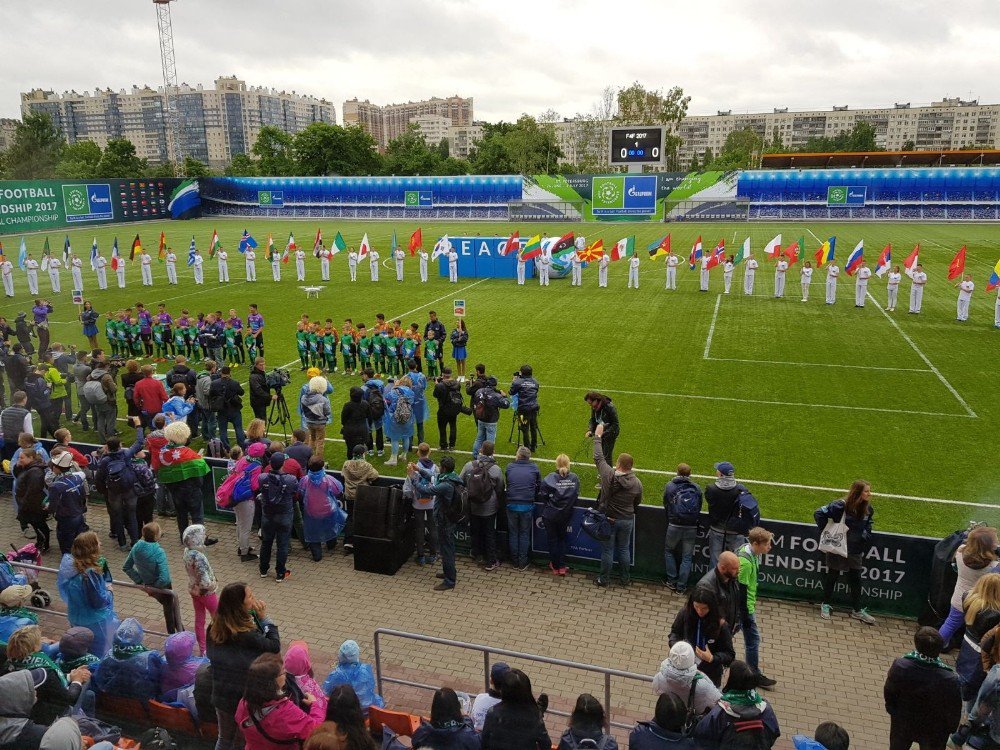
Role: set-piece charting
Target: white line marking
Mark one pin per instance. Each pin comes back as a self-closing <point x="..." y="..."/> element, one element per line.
<point x="444" y="296"/>
<point x="923" y="356"/>
<point x="818" y="364"/>
<point x="731" y="399"/>
<point x="765" y="483"/>
<point x="711" y="328"/>
<point x="814" y="237"/>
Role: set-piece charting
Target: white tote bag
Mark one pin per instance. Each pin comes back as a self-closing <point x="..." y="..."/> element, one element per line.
<point x="833" y="539"/>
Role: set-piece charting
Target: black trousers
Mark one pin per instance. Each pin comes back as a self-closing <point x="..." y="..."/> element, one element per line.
<point x="447" y="423"/>
<point x="527" y="424"/>
<point x="853" y="585"/>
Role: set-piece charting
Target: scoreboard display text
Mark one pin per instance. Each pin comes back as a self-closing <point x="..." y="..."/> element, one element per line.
<point x="637" y="145"/>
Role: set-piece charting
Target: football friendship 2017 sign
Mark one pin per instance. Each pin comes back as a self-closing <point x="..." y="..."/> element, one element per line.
<point x="267" y="198"/>
<point x="418" y="199"/>
<point x="623" y="195"/>
<point x="88" y="202"/>
<point x="846" y="195"/>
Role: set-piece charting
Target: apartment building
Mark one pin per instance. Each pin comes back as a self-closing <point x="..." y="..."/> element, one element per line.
<point x="384" y="123"/>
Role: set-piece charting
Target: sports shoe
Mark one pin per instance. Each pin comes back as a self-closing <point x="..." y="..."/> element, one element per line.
<point x="432" y="559"/>
<point x="601" y="582"/>
<point x="765" y="682"/>
<point x="824" y="611"/>
<point x="862" y="614"/>
<point x="439" y="575"/>
<point x="210" y="541"/>
<point x="524" y="567"/>
<point x="248" y="557"/>
<point x="563" y="570"/>
<point x="391" y="461"/>
<point x="264" y="574"/>
<point x="960" y="737"/>
<point x="420" y="560"/>
<point x="279" y="579"/>
<point x="495" y="565"/>
<point x="443" y="587"/>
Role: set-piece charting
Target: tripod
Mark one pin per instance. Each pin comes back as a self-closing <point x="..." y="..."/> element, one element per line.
<point x="279" y="414"/>
<point x="519" y="424"/>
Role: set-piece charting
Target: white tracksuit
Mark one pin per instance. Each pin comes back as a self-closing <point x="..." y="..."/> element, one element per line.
<point x="76" y="270"/>
<point x="861" y="285"/>
<point x="892" y="289"/>
<point x="602" y="270"/>
<point x="965" y="290"/>
<point x="373" y="258"/>
<point x="779" y="277"/>
<point x="250" y="261"/>
<point x="806" y="277"/>
<point x="832" y="273"/>
<point x="300" y="265"/>
<point x="424" y="257"/>
<point x="749" y="274"/>
<point x="223" y="266"/>
<point x="398" y="257"/>
<point x="672" y="262"/>
<point x="917" y="291"/>
<point x="171" y="263"/>
<point x="147" y="269"/>
<point x="633" y="272"/>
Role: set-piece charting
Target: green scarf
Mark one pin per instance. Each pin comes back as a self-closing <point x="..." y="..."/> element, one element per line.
<point x="124" y="652"/>
<point x="38" y="660"/>
<point x="18" y="612"/>
<point x="926" y="660"/>
<point x="87" y="660"/>
<point x="742" y="698"/>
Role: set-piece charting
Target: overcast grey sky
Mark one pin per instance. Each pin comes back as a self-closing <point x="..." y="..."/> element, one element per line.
<point x="520" y="56"/>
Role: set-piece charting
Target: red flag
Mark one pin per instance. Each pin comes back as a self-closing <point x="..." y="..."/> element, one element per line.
<point x="318" y="242"/>
<point x="717" y="255"/>
<point x="513" y="242"/>
<point x="911" y="260"/>
<point x="957" y="267"/>
<point x="793" y="254"/>
<point x="416" y="242"/>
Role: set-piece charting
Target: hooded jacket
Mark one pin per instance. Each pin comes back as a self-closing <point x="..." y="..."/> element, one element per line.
<point x="523" y="482"/>
<point x="146" y="565"/>
<point x="648" y="735"/>
<point x="356" y="472"/>
<point x="350" y="671"/>
<point x="621" y="493"/>
<point x="201" y="578"/>
<point x="670" y="679"/>
<point x="923" y="699"/>
<point x="63" y="735"/>
<point x="449" y="397"/>
<point x="130" y="670"/>
<point x="299" y="665"/>
<point x="182" y="374"/>
<point x="717" y="726"/>
<point x="454" y="736"/>
<point x="316" y="409"/>
<point x="180" y="665"/>
<point x="560" y="494"/>
<point x="281" y="720"/>
<point x="17" y="697"/>
<point x="88" y="602"/>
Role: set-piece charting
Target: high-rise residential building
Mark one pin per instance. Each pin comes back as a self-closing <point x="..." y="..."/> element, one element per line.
<point x="214" y="124"/>
<point x="462" y="139"/>
<point x="384" y="123"/>
<point x="433" y="128"/>
<point x="8" y="127"/>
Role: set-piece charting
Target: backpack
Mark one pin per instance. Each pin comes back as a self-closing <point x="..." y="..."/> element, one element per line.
<point x="586" y="743"/>
<point x="217" y="398"/>
<point x="93" y="392"/>
<point x="119" y="476"/>
<point x="129" y="394"/>
<point x="745" y="734"/>
<point x="214" y="448"/>
<point x="745" y="513"/>
<point x="237" y="487"/>
<point x="483" y="406"/>
<point x="455" y="397"/>
<point x="145" y="481"/>
<point x="404" y="410"/>
<point x="375" y="403"/>
<point x="685" y="505"/>
<point x="457" y="509"/>
<point x="275" y="492"/>
<point x="480" y="487"/>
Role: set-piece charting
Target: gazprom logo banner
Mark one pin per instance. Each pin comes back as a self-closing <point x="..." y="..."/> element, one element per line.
<point x="846" y="195"/>
<point x="88" y="202"/>
<point x="270" y="198"/>
<point x="624" y="195"/>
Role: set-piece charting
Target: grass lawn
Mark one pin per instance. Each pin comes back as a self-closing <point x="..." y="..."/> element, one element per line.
<point x="802" y="398"/>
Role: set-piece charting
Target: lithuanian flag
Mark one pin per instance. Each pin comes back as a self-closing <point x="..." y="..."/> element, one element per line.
<point x="532" y="250"/>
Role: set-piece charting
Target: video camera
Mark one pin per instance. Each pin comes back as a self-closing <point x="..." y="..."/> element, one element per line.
<point x="278" y="378"/>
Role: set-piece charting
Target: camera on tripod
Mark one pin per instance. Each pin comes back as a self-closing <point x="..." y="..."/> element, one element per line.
<point x="278" y="378"/>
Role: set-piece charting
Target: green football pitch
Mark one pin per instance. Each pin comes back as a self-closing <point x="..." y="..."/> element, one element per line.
<point x="802" y="398"/>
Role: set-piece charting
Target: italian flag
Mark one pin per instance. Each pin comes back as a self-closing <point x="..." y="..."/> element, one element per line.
<point x="288" y="248"/>
<point x="365" y="247"/>
<point x="178" y="462"/>
<point x="215" y="245"/>
<point x="624" y="248"/>
<point x="270" y="248"/>
<point x="339" y="245"/>
<point x="744" y="252"/>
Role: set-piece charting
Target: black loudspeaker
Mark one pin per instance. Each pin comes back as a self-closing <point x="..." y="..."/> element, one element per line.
<point x="380" y="512"/>
<point x="385" y="556"/>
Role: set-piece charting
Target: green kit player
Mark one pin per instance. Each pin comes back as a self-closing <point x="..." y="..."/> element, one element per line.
<point x="302" y="345"/>
<point x="432" y="354"/>
<point x="230" y="335"/>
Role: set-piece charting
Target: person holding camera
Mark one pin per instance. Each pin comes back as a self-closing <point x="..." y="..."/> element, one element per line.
<point x="448" y="393"/>
<point x="225" y="399"/>
<point x="260" y="391"/>
<point x="486" y="406"/>
<point x="525" y="387"/>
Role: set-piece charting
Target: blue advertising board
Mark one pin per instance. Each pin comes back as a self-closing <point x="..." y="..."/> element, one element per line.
<point x="623" y="195"/>
<point x="482" y="258"/>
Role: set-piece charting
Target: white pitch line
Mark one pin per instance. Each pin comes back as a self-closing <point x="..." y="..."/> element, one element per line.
<point x="442" y="297"/>
<point x="908" y="340"/>
<point x="711" y="328"/>
<point x="814" y="236"/>
<point x="762" y="482"/>
<point x="732" y="399"/>
<point x="819" y="364"/>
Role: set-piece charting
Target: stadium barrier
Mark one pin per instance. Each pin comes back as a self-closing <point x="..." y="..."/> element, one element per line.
<point x="895" y="579"/>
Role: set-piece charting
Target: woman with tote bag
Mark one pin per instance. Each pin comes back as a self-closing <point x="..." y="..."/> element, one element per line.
<point x="845" y="536"/>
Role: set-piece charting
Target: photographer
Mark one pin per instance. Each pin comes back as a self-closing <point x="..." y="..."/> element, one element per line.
<point x="41" y="312"/>
<point x="448" y="393"/>
<point x="525" y="387"/>
<point x="225" y="400"/>
<point x="486" y="406"/>
<point x="260" y="392"/>
<point x="603" y="412"/>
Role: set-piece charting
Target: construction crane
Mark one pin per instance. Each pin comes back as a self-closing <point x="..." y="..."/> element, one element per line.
<point x="168" y="61"/>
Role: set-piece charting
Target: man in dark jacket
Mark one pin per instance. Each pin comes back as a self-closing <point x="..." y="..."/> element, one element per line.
<point x="723" y="582"/>
<point x="483" y="510"/>
<point x="721" y="497"/>
<point x="278" y="494"/>
<point x="486" y="405"/>
<point x="440" y="333"/>
<point x="16" y="365"/>
<point x="525" y="387"/>
<point x="181" y="373"/>
<point x="208" y="419"/>
<point x="620" y="495"/>
<point x="115" y="480"/>
<point x="523" y="481"/>
<point x="922" y="696"/>
<point x="225" y="398"/>
<point x="442" y="489"/>
<point x="603" y="412"/>
<point x="14" y="420"/>
<point x="81" y="373"/>
<point x="448" y="393"/>
<point x="260" y="394"/>
<point x="682" y="502"/>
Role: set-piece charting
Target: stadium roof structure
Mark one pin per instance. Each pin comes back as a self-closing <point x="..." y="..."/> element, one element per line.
<point x="848" y="159"/>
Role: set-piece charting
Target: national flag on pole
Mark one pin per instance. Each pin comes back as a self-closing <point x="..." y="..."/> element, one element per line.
<point x="270" y="248"/>
<point x="66" y="250"/>
<point x="532" y="250"/>
<point x="45" y="255"/>
<point x="116" y="259"/>
<point x="514" y="241"/>
<point x="826" y="252"/>
<point x="957" y="266"/>
<point x="594" y="252"/>
<point x="161" y="253"/>
<point x="192" y="248"/>
<point x="215" y="244"/>
<point x="395" y="243"/>
<point x="417" y="242"/>
<point x="773" y="248"/>
<point x="136" y="245"/>
<point x="339" y="245"/>
<point x="696" y="254"/>
<point x="793" y="252"/>
<point x="884" y="261"/>
<point x="911" y="261"/>
<point x="562" y="246"/>
<point x="994" y="281"/>
<point x="718" y="255"/>
<point x="366" y="248"/>
<point x="22" y="254"/>
<point x="247" y="242"/>
<point x="744" y="252"/>
<point x="317" y="242"/>
<point x="289" y="247"/>
<point x="624" y="248"/>
<point x="659" y="247"/>
<point x="3" y="256"/>
<point x="855" y="258"/>
<point x="93" y="255"/>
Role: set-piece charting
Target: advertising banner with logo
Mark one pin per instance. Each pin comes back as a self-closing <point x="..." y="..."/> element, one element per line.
<point x="846" y="195"/>
<point x="624" y="195"/>
<point x="32" y="205"/>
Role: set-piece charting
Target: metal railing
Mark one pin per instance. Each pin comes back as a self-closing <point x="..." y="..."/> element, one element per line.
<point x="487" y="652"/>
<point x="122" y="584"/>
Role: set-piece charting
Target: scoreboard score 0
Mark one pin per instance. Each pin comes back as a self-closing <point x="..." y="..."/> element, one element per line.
<point x="637" y="145"/>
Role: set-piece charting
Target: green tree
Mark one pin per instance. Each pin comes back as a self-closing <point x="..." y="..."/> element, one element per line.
<point x="324" y="149"/>
<point x="444" y="148"/>
<point x="194" y="168"/>
<point x="273" y="149"/>
<point x="909" y="145"/>
<point x="777" y="146"/>
<point x="637" y="106"/>
<point x="162" y="170"/>
<point x="694" y="166"/>
<point x="409" y="154"/>
<point x="490" y="154"/>
<point x="860" y="138"/>
<point x="36" y="149"/>
<point x="241" y="166"/>
<point x="79" y="161"/>
<point x="119" y="160"/>
<point x="740" y="151"/>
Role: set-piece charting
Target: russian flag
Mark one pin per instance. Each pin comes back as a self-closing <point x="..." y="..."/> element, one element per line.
<point x="93" y="255"/>
<point x="854" y="259"/>
<point x="696" y="254"/>
<point x="994" y="281"/>
<point x="884" y="261"/>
